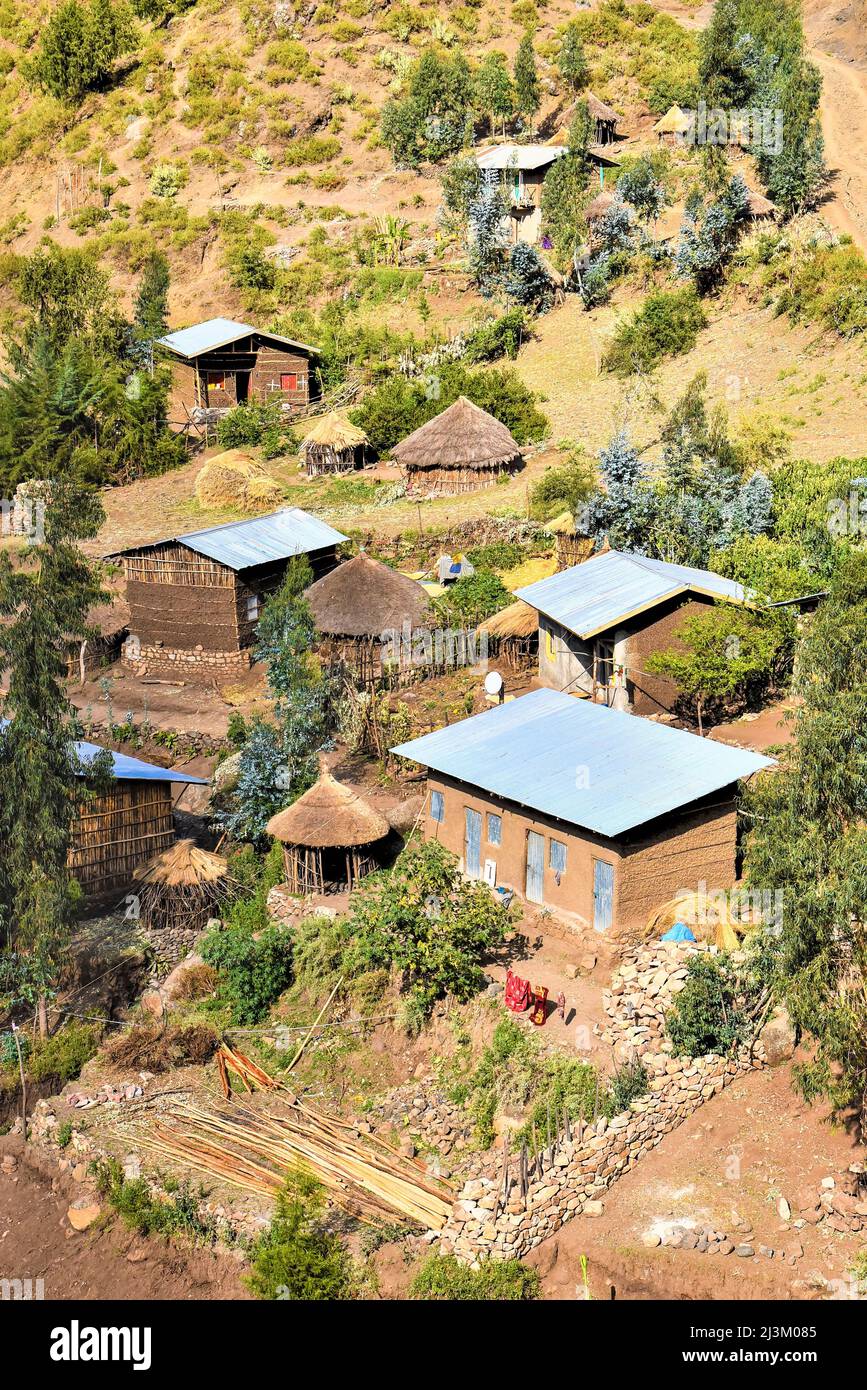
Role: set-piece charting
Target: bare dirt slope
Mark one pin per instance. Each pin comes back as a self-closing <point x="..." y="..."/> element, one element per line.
<point x="737" y="1155"/>
<point x="104" y="1262"/>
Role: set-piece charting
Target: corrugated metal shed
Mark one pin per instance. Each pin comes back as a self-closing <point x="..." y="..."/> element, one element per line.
<point x="216" y="333"/>
<point x="585" y="764"/>
<point x="131" y="769"/>
<point x="519" y="156"/>
<point x="611" y="587"/>
<point x="241" y="545"/>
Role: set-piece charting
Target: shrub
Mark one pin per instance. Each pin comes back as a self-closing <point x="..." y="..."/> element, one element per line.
<point x="140" y="1211"/>
<point x="500" y="337"/>
<point x="472" y="599"/>
<point x="253" y="970"/>
<point x="312" y="149"/>
<point x="565" y="487"/>
<point x="499" y="555"/>
<point x="829" y="287"/>
<point x="706" y="1016"/>
<point x="628" y="1081"/>
<point x="296" y="1258"/>
<point x="167" y="180"/>
<point x="666" y="325"/>
<point x="63" y="1055"/>
<point x="425" y="919"/>
<point x="257" y="424"/>
<point x="443" y="1279"/>
<point x="79" y="47"/>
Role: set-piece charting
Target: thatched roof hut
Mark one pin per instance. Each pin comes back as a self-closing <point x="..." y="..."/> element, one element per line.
<point x="673" y="126"/>
<point x="179" y="891"/>
<point x="604" y="117"/>
<point x="327" y="836"/>
<point x="758" y="206"/>
<point x="359" y="602"/>
<point x="599" y="206"/>
<point x="461" y="449"/>
<point x="333" y="445"/>
<point x="512" y="634"/>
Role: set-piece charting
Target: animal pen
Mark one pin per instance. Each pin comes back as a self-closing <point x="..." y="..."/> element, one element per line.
<point x="460" y="450"/>
<point x="330" y="837"/>
<point x="333" y="445"/>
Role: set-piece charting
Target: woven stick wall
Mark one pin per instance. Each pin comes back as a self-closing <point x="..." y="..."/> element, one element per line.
<point x="119" y="830"/>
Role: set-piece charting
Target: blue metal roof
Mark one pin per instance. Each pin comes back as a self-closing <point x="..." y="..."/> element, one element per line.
<point x="130" y="769"/>
<point x="241" y="545"/>
<point x="216" y="333"/>
<point x="611" y="587"/>
<point x="582" y="763"/>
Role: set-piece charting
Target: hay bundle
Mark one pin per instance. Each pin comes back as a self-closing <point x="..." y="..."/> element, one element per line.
<point x="235" y="479"/>
<point x="709" y="917"/>
<point x="182" y="888"/>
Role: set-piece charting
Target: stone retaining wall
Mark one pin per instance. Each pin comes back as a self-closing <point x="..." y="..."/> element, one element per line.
<point x="493" y="1217"/>
<point x="178" y="662"/>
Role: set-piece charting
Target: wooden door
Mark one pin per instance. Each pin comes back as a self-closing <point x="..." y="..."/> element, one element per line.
<point x="535" y="886"/>
<point x="603" y="894"/>
<point x="473" y="843"/>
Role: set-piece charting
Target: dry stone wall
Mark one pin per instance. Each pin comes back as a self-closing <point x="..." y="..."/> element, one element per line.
<point x="498" y="1216"/>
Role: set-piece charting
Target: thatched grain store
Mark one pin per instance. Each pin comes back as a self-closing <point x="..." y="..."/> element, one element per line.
<point x="195" y="600"/>
<point x="604" y="119"/>
<point x="330" y="837"/>
<point x="179" y="891"/>
<point x="333" y="445"/>
<point x="460" y="450"/>
<point x="367" y="615"/>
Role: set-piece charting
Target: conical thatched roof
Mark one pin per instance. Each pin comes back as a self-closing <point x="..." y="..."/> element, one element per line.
<point x="462" y="436"/>
<point x="328" y="816"/>
<point x="599" y="110"/>
<point x="335" y="432"/>
<point x="517" y="620"/>
<point x="182" y="865"/>
<point x="599" y="206"/>
<point x="758" y="205"/>
<point x="674" y="122"/>
<point x="363" y="598"/>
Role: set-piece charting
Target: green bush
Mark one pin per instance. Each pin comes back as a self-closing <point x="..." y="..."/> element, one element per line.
<point x="473" y="598"/>
<point x="500" y="337"/>
<point x="564" y="487"/>
<point x="666" y="325"/>
<point x="499" y="555"/>
<point x="80" y="45"/>
<point x="312" y="149"/>
<point x="628" y="1081"/>
<point x="443" y="1279"/>
<point x="257" y="424"/>
<point x="139" y="1211"/>
<point x="830" y="288"/>
<point x="252" y="958"/>
<point x="707" y="1016"/>
<point x="296" y="1258"/>
<point x="64" y="1054"/>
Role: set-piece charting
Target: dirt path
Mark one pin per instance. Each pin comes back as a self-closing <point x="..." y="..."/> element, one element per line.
<point x="844" y="125"/>
<point x="105" y="1262"/>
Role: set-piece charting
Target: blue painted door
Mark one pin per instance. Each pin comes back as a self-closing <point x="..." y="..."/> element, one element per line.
<point x="535" y="867"/>
<point x="603" y="894"/>
<point x="473" y="843"/>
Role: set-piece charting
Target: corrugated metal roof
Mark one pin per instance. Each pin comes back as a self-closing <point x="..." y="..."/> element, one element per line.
<point x="608" y="588"/>
<point x="585" y="764"/>
<point x="241" y="545"/>
<point x="217" y="333"/>
<point x="130" y="769"/>
<point x="519" y="156"/>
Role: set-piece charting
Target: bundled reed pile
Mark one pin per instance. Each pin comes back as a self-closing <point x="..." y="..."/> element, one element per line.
<point x="182" y="888"/>
<point x="253" y="1151"/>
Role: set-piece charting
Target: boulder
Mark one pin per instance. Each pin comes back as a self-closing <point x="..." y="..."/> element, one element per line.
<point x="778" y="1038"/>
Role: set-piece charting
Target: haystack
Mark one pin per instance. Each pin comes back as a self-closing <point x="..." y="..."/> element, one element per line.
<point x="461" y="449"/>
<point x="234" y="479"/>
<point x="333" y="446"/>
<point x="758" y="206"/>
<point x="182" y="888"/>
<point x="356" y="605"/>
<point x="709" y="917"/>
<point x="327" y="836"/>
<point x="512" y="634"/>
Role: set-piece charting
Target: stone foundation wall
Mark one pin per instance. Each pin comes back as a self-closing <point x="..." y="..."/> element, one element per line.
<point x="170" y="945"/>
<point x="195" y="664"/>
<point x="494" y="1216"/>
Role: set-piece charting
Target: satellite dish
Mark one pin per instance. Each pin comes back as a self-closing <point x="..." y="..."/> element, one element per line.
<point x="493" y="683"/>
